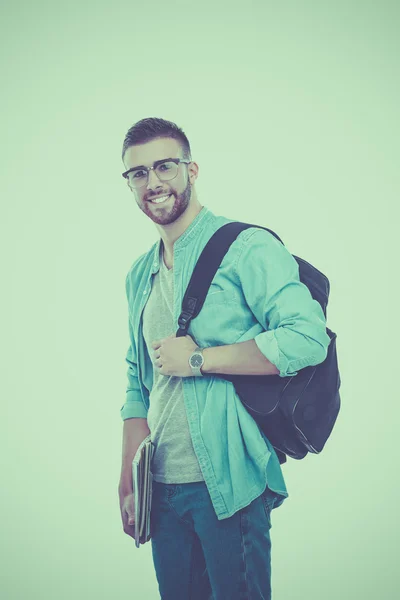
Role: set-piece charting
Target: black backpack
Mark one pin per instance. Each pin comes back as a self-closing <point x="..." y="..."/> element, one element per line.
<point x="296" y="413"/>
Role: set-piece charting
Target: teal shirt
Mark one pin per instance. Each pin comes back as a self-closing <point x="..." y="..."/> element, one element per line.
<point x="256" y="294"/>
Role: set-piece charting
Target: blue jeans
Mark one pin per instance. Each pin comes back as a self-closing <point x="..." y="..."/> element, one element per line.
<point x="198" y="557"/>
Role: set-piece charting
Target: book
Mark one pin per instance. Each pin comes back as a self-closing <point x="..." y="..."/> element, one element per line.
<point x="142" y="488"/>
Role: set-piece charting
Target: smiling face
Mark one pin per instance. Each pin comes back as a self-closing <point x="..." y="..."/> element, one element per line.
<point x="173" y="195"/>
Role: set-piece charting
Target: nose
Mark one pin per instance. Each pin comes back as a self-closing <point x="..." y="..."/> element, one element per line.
<point x="153" y="181"/>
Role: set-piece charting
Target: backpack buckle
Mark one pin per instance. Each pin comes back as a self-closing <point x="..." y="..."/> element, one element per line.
<point x="184" y="320"/>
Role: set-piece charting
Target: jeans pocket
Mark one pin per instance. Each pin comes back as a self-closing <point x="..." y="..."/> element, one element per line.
<point x="268" y="500"/>
<point x="172" y="490"/>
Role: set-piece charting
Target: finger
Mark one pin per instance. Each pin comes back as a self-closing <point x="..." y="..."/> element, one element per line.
<point x="130" y="533"/>
<point x="129" y="529"/>
<point x="158" y="344"/>
<point x="128" y="523"/>
<point x="129" y="515"/>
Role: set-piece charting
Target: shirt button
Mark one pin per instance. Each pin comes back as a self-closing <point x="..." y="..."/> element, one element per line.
<point x="145" y="292"/>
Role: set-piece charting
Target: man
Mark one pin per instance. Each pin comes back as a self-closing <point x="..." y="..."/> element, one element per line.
<point x="216" y="476"/>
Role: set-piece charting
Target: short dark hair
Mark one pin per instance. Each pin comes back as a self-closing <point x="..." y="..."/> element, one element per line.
<point x="153" y="128"/>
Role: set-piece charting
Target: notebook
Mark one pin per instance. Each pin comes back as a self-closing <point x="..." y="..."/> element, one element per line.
<point x="142" y="481"/>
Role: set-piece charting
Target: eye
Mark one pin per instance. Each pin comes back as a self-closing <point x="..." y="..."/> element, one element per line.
<point x="137" y="174"/>
<point x="166" y="166"/>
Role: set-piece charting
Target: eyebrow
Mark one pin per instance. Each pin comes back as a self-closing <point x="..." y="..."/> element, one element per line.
<point x="155" y="163"/>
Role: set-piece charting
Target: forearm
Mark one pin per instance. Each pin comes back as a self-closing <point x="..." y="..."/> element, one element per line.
<point x="243" y="358"/>
<point x="134" y="432"/>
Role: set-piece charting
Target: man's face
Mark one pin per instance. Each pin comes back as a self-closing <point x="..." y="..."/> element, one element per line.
<point x="178" y="189"/>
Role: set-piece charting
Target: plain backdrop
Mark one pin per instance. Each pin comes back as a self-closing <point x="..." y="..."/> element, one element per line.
<point x="292" y="113"/>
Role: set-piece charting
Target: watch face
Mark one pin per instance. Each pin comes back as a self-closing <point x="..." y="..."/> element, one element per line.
<point x="196" y="360"/>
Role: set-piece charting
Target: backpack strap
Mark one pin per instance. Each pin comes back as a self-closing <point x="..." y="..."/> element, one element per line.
<point x="206" y="268"/>
<point x="203" y="274"/>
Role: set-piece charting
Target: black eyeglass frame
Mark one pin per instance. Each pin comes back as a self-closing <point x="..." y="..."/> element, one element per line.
<point x="155" y="165"/>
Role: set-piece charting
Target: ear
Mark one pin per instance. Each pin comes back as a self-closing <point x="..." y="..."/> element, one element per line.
<point x="193" y="171"/>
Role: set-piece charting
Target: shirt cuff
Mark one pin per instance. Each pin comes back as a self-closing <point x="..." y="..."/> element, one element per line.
<point x="133" y="408"/>
<point x="267" y="344"/>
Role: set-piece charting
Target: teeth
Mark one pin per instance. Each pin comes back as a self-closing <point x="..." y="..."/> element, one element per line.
<point x="161" y="199"/>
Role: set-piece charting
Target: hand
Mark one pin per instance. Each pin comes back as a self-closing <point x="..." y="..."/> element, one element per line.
<point x="172" y="355"/>
<point x="127" y="503"/>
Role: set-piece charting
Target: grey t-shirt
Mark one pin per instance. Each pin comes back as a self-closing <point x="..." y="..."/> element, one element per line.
<point x="174" y="459"/>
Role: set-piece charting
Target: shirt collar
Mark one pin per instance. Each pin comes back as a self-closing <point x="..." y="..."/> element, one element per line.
<point x="184" y="239"/>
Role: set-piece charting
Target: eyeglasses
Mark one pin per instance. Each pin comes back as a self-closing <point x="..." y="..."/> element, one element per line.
<point x="165" y="169"/>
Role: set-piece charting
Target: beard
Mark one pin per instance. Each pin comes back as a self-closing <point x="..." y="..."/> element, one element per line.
<point x="166" y="216"/>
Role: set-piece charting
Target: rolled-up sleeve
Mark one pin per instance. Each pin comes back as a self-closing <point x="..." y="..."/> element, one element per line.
<point x="134" y="405"/>
<point x="295" y="324"/>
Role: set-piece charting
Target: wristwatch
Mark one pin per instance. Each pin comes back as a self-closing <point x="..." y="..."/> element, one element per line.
<point x="196" y="361"/>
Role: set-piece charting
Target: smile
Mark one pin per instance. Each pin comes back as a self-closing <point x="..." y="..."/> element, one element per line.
<point x="160" y="199"/>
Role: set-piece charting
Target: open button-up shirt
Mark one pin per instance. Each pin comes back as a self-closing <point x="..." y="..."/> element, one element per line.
<point x="255" y="294"/>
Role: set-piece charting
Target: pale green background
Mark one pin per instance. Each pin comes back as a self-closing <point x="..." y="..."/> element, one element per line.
<point x="292" y="112"/>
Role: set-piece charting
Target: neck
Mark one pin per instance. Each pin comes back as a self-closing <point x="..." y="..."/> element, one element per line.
<point x="170" y="233"/>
